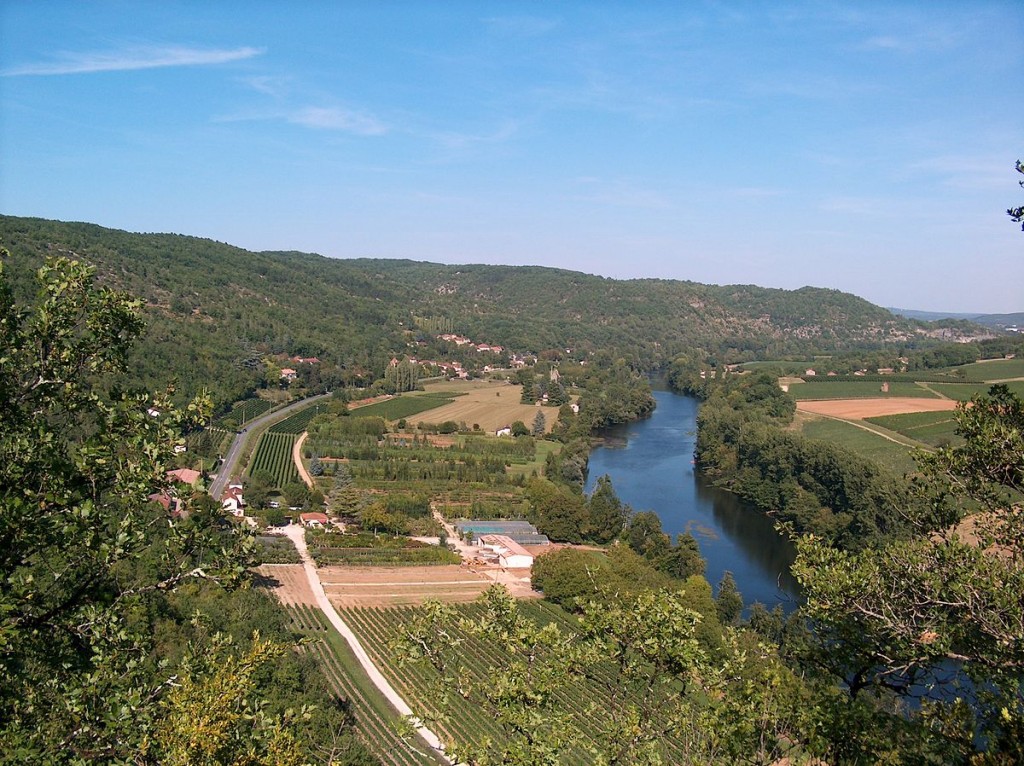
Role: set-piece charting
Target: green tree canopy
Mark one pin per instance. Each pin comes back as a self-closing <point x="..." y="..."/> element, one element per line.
<point x="85" y="553"/>
<point x="607" y="514"/>
<point x="940" y="616"/>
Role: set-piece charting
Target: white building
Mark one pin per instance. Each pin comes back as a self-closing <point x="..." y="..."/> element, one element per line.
<point x="511" y="554"/>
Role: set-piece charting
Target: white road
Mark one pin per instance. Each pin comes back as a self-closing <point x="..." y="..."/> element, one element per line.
<point x="298" y="537"/>
<point x="230" y="463"/>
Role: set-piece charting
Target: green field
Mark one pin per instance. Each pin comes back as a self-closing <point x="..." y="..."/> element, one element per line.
<point x="365" y="549"/>
<point x="274" y="454"/>
<point x="526" y="470"/>
<point x="855" y="389"/>
<point x="244" y="411"/>
<point x="964" y="391"/>
<point x="998" y="369"/>
<point x="936" y="429"/>
<point x="296" y="424"/>
<point x="869" y="445"/>
<point x="405" y="406"/>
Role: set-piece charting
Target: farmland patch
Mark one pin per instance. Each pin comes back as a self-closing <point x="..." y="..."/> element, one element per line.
<point x="352" y="587"/>
<point x="868" y="444"/>
<point x="490" y="405"/>
<point x="935" y="429"/>
<point x="860" y="408"/>
<point x="993" y="369"/>
<point x="964" y="391"/>
<point x="856" y="389"/>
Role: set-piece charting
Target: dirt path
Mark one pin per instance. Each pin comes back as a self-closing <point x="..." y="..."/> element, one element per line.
<point x="931" y="390"/>
<point x="866" y="427"/>
<point x="298" y="537"/>
<point x="297" y="458"/>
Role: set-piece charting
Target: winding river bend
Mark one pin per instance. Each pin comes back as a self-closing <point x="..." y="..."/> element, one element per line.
<point x="651" y="466"/>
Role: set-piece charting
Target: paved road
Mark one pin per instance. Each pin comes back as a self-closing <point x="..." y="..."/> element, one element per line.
<point x="230" y="466"/>
<point x="298" y="536"/>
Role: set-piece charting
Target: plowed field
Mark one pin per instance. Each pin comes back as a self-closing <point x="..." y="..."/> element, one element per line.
<point x="288" y="582"/>
<point x="858" y="409"/>
<point x="382" y="586"/>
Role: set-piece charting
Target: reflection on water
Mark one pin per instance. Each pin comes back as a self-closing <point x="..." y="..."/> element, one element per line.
<point x="651" y="466"/>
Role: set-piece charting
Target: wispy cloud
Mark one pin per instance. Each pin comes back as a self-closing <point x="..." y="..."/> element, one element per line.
<point x="131" y="59"/>
<point x="505" y="132"/>
<point x="336" y="118"/>
<point x="268" y="85"/>
<point x="911" y="30"/>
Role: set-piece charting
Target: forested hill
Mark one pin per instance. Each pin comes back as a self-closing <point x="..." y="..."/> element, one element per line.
<point x="215" y="310"/>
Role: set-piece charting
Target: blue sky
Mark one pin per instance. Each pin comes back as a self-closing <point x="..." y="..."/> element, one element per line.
<point x="867" y="146"/>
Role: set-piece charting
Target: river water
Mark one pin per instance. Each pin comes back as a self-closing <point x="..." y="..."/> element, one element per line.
<point x="650" y="463"/>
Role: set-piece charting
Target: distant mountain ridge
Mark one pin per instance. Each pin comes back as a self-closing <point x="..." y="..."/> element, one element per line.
<point x="214" y="310"/>
<point x="996" y="321"/>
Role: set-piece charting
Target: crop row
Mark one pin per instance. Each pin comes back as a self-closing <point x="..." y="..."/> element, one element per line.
<point x="376" y="722"/>
<point x="403" y="406"/>
<point x="243" y="412"/>
<point x="405" y="470"/>
<point x="296" y="424"/>
<point x="467" y="723"/>
<point x="274" y="454"/>
<point x="478" y="656"/>
<point x="251" y="408"/>
<point x="429" y="556"/>
<point x="587" y="701"/>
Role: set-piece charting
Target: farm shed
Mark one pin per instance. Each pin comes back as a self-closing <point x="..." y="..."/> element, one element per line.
<point x="510" y="553"/>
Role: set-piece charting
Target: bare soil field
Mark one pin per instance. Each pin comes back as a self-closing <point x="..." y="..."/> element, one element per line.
<point x="489" y="404"/>
<point x="390" y="586"/>
<point x="857" y="409"/>
<point x="288" y="582"/>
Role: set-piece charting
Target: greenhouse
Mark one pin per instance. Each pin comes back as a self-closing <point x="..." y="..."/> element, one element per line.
<point x="522" y="532"/>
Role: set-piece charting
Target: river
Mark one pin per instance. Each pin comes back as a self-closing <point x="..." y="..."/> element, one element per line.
<point x="650" y="463"/>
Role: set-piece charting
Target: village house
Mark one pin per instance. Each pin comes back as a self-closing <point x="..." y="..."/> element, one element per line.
<point x="287" y="373"/>
<point x="504" y="431"/>
<point x="232" y="501"/>
<point x="186" y="476"/>
<point x="313" y="520"/>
